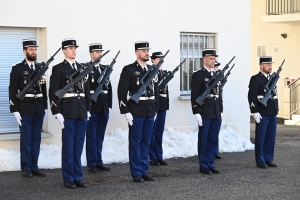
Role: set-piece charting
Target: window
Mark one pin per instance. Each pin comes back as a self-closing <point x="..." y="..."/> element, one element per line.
<point x="261" y="51"/>
<point x="11" y="52"/>
<point x="191" y="46"/>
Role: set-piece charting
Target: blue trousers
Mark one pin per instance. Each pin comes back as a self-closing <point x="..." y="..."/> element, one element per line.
<point x="265" y="134"/>
<point x="30" y="141"/>
<point x="72" y="145"/>
<point x="139" y="142"/>
<point x="156" y="151"/>
<point x="208" y="141"/>
<point x="94" y="138"/>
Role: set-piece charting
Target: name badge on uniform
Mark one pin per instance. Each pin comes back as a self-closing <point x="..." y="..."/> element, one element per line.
<point x="206" y="79"/>
<point x="26" y="72"/>
<point x="137" y="73"/>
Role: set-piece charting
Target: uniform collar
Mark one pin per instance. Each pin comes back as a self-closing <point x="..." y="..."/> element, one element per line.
<point x="266" y="75"/>
<point x="208" y="69"/>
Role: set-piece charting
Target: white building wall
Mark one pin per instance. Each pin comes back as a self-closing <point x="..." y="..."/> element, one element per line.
<point x="118" y="24"/>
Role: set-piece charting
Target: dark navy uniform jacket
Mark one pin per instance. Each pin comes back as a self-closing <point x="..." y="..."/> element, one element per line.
<point x="104" y="101"/>
<point x="129" y="83"/>
<point x="71" y="107"/>
<point x="163" y="103"/>
<point x="211" y="107"/>
<point x="256" y="91"/>
<point x="18" y="81"/>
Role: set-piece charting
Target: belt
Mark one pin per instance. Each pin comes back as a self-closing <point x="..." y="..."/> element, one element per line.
<point x="163" y="95"/>
<point x="104" y="92"/>
<point x="147" y="98"/>
<point x="34" y="95"/>
<point x="213" y="95"/>
<point x="261" y="96"/>
<point x="67" y="95"/>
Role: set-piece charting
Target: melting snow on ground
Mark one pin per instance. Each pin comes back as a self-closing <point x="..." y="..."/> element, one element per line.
<point x="115" y="148"/>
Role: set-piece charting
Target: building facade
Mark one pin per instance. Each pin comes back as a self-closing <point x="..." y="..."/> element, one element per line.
<point x="184" y="27"/>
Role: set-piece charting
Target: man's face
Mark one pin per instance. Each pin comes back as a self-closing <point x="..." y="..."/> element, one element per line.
<point x="142" y="54"/>
<point x="30" y="53"/>
<point x="266" y="68"/>
<point x="156" y="60"/>
<point x="70" y="52"/>
<point x="95" y="54"/>
<point x="209" y="61"/>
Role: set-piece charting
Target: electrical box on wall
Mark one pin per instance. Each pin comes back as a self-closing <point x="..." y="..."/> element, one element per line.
<point x="288" y="81"/>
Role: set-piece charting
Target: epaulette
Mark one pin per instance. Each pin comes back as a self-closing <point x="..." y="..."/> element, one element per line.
<point x="16" y="64"/>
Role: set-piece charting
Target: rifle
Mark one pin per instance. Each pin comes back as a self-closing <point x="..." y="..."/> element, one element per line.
<point x="166" y="79"/>
<point x="150" y="74"/>
<point x="215" y="80"/>
<point x="224" y="80"/>
<point x="271" y="85"/>
<point x="39" y="71"/>
<point x="82" y="72"/>
<point x="103" y="79"/>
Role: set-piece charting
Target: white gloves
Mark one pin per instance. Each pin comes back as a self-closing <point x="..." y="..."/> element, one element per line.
<point x="221" y="115"/>
<point x="45" y="114"/>
<point x="18" y="117"/>
<point x="88" y="115"/>
<point x="257" y="117"/>
<point x="129" y="118"/>
<point x="60" y="120"/>
<point x="199" y="119"/>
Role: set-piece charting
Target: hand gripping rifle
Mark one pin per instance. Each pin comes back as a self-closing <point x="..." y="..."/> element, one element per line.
<point x="219" y="75"/>
<point x="271" y="85"/>
<point x="39" y="71"/>
<point x="82" y="72"/>
<point x="166" y="79"/>
<point x="150" y="74"/>
<point x="103" y="79"/>
<point x="224" y="80"/>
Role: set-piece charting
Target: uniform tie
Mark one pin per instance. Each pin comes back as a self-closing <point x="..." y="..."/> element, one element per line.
<point x="268" y="77"/>
<point x="144" y="68"/>
<point x="31" y="67"/>
<point x="73" y="64"/>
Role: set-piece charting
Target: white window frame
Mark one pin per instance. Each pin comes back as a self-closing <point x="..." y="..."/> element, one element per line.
<point x="209" y="40"/>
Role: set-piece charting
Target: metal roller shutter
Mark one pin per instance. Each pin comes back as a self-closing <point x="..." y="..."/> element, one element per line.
<point x="11" y="52"/>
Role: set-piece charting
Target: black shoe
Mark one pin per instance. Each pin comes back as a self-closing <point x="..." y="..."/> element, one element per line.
<point x="215" y="171"/>
<point x="92" y="169"/>
<point x="154" y="162"/>
<point x="218" y="157"/>
<point x="39" y="173"/>
<point x="148" y="178"/>
<point x="263" y="166"/>
<point x="103" y="167"/>
<point x="205" y="171"/>
<point x="270" y="164"/>
<point x="162" y="162"/>
<point x="138" y="179"/>
<point x="70" y="185"/>
<point x="80" y="184"/>
<point x="27" y="174"/>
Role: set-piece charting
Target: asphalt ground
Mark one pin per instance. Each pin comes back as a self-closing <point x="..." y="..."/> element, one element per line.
<point x="240" y="179"/>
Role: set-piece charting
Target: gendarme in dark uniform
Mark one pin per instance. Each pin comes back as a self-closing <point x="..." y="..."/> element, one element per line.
<point x="30" y="111"/>
<point x="140" y="116"/>
<point x="208" y="114"/>
<point x="99" y="114"/>
<point x="265" y="117"/>
<point x="71" y="112"/>
<point x="156" y="151"/>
